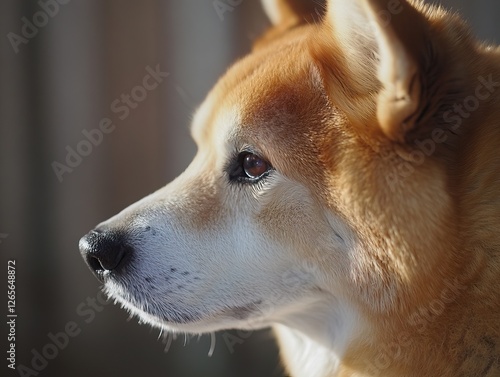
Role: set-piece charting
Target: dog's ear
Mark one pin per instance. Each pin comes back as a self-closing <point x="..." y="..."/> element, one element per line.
<point x="389" y="40"/>
<point x="291" y="12"/>
<point x="286" y="14"/>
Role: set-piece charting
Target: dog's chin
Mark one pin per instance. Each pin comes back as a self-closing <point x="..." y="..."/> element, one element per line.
<point x="171" y="318"/>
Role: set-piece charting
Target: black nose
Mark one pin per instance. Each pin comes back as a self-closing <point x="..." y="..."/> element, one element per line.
<point x="104" y="251"/>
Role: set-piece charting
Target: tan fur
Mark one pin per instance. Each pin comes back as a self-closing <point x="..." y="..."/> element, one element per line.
<point x="440" y="225"/>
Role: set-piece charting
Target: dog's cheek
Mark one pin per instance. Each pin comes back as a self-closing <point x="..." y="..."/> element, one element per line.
<point x="289" y="216"/>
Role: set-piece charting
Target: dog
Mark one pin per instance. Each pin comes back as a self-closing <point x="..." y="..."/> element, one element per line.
<point x="345" y="192"/>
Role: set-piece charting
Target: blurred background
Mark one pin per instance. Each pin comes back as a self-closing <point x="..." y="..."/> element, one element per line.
<point x="64" y="74"/>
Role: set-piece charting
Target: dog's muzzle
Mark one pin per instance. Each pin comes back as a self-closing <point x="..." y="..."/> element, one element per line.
<point x="105" y="252"/>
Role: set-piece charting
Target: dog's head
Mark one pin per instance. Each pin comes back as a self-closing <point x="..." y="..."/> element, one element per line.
<point x="306" y="197"/>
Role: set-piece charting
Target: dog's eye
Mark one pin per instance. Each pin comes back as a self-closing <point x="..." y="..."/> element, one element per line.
<point x="248" y="168"/>
<point x="254" y="166"/>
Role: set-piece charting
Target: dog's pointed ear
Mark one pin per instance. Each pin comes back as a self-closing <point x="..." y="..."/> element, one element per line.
<point x="389" y="39"/>
<point x="286" y="14"/>
<point x="291" y="12"/>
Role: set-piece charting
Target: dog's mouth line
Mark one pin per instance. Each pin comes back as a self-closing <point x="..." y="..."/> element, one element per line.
<point x="169" y="316"/>
<point x="160" y="315"/>
<point x="156" y="314"/>
<point x="240" y="311"/>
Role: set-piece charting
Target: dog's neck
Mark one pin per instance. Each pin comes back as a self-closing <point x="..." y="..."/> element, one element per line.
<point x="304" y="356"/>
<point x="314" y="340"/>
<point x="331" y="339"/>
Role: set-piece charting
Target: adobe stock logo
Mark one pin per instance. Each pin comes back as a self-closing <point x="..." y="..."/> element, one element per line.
<point x="222" y="7"/>
<point x="30" y="27"/>
<point x="57" y="341"/>
<point x="122" y="107"/>
<point x="451" y="122"/>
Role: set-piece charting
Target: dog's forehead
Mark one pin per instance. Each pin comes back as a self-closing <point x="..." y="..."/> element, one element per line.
<point x="272" y="98"/>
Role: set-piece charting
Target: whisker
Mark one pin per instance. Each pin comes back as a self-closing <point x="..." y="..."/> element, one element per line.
<point x="213" y="338"/>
